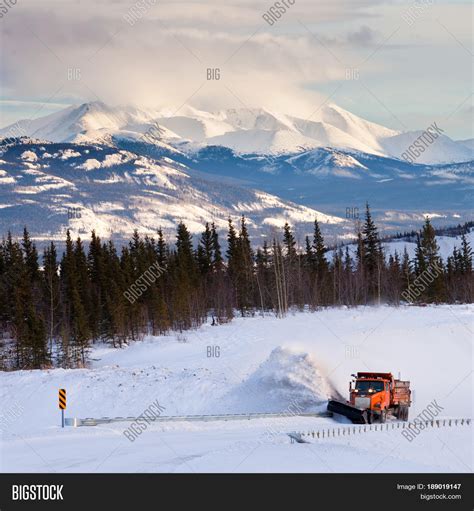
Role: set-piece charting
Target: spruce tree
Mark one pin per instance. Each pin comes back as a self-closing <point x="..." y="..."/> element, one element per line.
<point x="162" y="250"/>
<point x="429" y="265"/>
<point x="51" y="293"/>
<point x="232" y="249"/>
<point x="289" y="242"/>
<point x="245" y="269"/>
<point x="309" y="255"/>
<point x="75" y="331"/>
<point x="466" y="256"/>
<point x="320" y="261"/>
<point x="205" y="251"/>
<point x="29" y="327"/>
<point x="217" y="261"/>
<point x="373" y="261"/>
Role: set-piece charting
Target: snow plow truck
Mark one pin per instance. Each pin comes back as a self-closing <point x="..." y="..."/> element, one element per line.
<point x="372" y="396"/>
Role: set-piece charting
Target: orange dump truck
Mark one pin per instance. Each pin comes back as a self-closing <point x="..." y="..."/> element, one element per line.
<point x="372" y="397"/>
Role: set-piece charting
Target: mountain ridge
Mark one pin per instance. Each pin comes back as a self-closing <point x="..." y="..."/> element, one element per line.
<point x="245" y="130"/>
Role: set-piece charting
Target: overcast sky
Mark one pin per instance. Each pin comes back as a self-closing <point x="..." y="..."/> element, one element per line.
<point x="371" y="57"/>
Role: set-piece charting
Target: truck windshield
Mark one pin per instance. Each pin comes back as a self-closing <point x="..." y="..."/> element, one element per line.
<point x="364" y="387"/>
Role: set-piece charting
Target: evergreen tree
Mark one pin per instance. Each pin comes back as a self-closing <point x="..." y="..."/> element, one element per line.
<point x="466" y="256"/>
<point x="217" y="261"/>
<point x="51" y="293"/>
<point x="406" y="271"/>
<point x="96" y="272"/>
<point x="32" y="351"/>
<point x="205" y="251"/>
<point x="429" y="266"/>
<point x="162" y="250"/>
<point x="289" y="242"/>
<point x="31" y="258"/>
<point x="309" y="255"/>
<point x="373" y="260"/>
<point x="185" y="276"/>
<point x="75" y="331"/>
<point x="321" y="263"/>
<point x="231" y="246"/>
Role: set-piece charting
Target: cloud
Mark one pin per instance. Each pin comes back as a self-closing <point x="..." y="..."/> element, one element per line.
<point x="157" y="53"/>
<point x="365" y="36"/>
<point x="159" y="63"/>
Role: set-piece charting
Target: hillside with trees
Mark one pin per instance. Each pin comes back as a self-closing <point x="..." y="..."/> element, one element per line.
<point x="54" y="307"/>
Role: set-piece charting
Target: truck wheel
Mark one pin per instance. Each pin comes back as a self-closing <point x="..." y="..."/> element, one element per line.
<point x="383" y="416"/>
<point x="405" y="418"/>
<point x="402" y="413"/>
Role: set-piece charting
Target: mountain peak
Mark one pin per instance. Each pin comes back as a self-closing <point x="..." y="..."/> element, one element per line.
<point x="245" y="130"/>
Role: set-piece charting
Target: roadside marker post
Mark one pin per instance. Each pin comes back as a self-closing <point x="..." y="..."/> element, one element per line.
<point x="62" y="404"/>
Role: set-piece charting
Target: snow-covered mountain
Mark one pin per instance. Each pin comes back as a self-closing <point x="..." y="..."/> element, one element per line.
<point x="126" y="168"/>
<point x="51" y="187"/>
<point x="335" y="180"/>
<point x="469" y="143"/>
<point x="243" y="130"/>
<point x="88" y="122"/>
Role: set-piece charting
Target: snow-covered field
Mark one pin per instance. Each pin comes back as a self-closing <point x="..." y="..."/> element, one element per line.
<point x="264" y="365"/>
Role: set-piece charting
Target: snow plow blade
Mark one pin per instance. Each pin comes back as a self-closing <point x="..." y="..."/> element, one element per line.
<point x="356" y="415"/>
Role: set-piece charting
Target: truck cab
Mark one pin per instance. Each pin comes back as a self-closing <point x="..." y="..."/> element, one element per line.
<point x="371" y="394"/>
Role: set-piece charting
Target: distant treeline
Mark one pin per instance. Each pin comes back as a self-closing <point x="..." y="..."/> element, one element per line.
<point x="51" y="313"/>
<point x="457" y="230"/>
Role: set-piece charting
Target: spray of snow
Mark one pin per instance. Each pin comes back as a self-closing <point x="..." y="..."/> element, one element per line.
<point x="287" y="380"/>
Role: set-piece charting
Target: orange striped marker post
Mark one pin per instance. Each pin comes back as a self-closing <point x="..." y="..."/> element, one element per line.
<point x="62" y="404"/>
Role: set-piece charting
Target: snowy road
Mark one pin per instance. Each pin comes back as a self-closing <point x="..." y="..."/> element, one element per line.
<point x="264" y="365"/>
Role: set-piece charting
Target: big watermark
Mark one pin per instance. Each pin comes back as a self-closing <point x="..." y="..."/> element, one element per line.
<point x="422" y="143"/>
<point x="420" y="284"/>
<point x="142" y="422"/>
<point x="144" y="281"/>
<point x="419" y="423"/>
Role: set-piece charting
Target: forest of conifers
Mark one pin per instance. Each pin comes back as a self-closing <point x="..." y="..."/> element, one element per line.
<point x="54" y="306"/>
